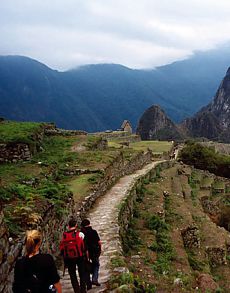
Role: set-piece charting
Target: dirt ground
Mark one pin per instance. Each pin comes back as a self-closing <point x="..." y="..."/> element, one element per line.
<point x="187" y="269"/>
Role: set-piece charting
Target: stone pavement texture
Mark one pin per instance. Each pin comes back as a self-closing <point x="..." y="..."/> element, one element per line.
<point x="104" y="218"/>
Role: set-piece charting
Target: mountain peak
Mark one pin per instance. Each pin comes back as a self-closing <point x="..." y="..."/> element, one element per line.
<point x="154" y="124"/>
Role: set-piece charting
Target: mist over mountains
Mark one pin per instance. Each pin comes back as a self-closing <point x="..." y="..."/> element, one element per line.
<point x="99" y="97"/>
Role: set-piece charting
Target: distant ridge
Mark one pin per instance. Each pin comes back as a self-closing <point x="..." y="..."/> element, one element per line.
<point x="99" y="97"/>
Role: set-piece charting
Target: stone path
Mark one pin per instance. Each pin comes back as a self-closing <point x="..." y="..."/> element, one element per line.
<point x="104" y="218"/>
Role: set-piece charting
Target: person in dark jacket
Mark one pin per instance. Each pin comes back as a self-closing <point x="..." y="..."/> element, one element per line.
<point x="93" y="246"/>
<point x="35" y="272"/>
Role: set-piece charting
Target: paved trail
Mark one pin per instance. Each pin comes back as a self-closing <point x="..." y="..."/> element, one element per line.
<point x="104" y="218"/>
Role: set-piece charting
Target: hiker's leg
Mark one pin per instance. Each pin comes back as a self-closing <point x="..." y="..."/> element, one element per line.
<point x="96" y="265"/>
<point x="73" y="276"/>
<point x="82" y="274"/>
<point x="88" y="269"/>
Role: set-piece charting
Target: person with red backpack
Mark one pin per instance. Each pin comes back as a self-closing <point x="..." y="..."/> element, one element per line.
<point x="73" y="251"/>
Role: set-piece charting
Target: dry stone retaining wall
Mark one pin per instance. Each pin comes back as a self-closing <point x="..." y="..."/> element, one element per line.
<point x="10" y="248"/>
<point x="113" y="172"/>
<point x="191" y="237"/>
<point x="14" y="152"/>
<point x="127" y="206"/>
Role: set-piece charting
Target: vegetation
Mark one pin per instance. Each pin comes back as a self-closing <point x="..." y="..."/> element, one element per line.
<point x="128" y="282"/>
<point x="205" y="158"/>
<point x="27" y="189"/>
<point x="11" y="131"/>
<point x="162" y="245"/>
<point x="154" y="146"/>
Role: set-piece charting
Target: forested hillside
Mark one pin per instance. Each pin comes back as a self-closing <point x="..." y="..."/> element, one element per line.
<point x="98" y="97"/>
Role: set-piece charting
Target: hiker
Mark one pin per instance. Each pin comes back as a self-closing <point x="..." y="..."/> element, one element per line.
<point x="93" y="246"/>
<point x="73" y="250"/>
<point x="35" y="272"/>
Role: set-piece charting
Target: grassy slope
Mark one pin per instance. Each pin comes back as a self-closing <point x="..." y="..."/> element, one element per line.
<point x="11" y="131"/>
<point x="160" y="261"/>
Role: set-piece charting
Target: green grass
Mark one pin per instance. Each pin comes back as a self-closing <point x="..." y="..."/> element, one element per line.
<point x="48" y="170"/>
<point x="11" y="131"/>
<point x="195" y="263"/>
<point x="206" y="182"/>
<point x="118" y="261"/>
<point x="57" y="150"/>
<point x="114" y="144"/>
<point x="157" y="147"/>
<point x="218" y="184"/>
<point x="80" y="186"/>
<point x="154" y="146"/>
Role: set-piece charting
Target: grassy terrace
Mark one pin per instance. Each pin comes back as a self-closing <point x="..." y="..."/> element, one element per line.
<point x="158" y="147"/>
<point x="26" y="188"/>
<point x="155" y="252"/>
<point x="11" y="131"/>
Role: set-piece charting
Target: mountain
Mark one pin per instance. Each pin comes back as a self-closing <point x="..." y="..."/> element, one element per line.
<point x="213" y="121"/>
<point x="98" y="97"/>
<point x="154" y="124"/>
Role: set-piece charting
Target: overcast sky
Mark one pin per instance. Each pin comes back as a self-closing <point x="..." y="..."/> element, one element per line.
<point x="136" y="33"/>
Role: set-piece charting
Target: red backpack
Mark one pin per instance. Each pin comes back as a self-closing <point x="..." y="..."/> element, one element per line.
<point x="72" y="245"/>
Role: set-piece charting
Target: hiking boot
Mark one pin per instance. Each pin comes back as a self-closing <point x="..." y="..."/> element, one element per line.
<point x="96" y="283"/>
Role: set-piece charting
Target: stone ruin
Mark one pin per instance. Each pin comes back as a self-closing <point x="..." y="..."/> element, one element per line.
<point x="14" y="152"/>
<point x="209" y="206"/>
<point x="191" y="237"/>
<point x="216" y="255"/>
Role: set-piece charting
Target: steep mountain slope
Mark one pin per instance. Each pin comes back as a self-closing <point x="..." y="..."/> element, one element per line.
<point x="154" y="124"/>
<point x="97" y="97"/>
<point x="213" y="121"/>
<point x="30" y="91"/>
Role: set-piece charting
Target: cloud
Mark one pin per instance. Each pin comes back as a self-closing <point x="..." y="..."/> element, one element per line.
<point x="139" y="34"/>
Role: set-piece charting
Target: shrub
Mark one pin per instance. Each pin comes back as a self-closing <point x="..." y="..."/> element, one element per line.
<point x="156" y="223"/>
<point x="205" y="158"/>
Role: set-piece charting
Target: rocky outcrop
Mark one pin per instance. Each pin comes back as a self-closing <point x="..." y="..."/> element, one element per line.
<point x="206" y="283"/>
<point x="154" y="124"/>
<point x="213" y="121"/>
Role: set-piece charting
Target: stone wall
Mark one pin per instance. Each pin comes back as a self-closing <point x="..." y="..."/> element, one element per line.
<point x="127" y="207"/>
<point x="118" y="134"/>
<point x="14" y="152"/>
<point x="191" y="237"/>
<point x="216" y="256"/>
<point x="52" y="130"/>
<point x="52" y="228"/>
<point x="9" y="252"/>
<point x="112" y="173"/>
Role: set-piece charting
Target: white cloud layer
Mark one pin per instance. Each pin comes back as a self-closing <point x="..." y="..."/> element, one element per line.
<point x="139" y="34"/>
